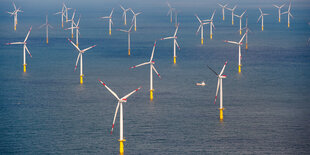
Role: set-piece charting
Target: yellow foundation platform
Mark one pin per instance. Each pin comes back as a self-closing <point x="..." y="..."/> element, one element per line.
<point x="223" y="18"/>
<point x="46" y="40"/>
<point x="24" y="67"/>
<point x="14" y="28"/>
<point x="262" y="28"/>
<point x="77" y="44"/>
<point x="62" y="25"/>
<point x="279" y="20"/>
<point x="239" y="69"/>
<point x="125" y="23"/>
<point x="210" y="36"/>
<point x="151" y="94"/>
<point x="246" y="46"/>
<point x="221" y="114"/>
<point x="81" y="79"/>
<point x="232" y="23"/>
<point x="109" y="32"/>
<point x="240" y="32"/>
<point x="288" y="25"/>
<point x="72" y="35"/>
<point x="121" y="146"/>
<point x="201" y="41"/>
<point x="174" y="60"/>
<point x="128" y="51"/>
<point x="135" y="28"/>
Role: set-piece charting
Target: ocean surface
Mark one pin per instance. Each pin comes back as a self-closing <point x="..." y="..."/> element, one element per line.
<point x="47" y="110"/>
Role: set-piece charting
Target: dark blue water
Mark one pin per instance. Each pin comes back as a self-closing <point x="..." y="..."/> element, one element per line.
<point x="47" y="111"/>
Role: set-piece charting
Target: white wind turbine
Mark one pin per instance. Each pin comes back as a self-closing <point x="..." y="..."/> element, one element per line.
<point x="288" y="12"/>
<point x="47" y="25"/>
<point x="110" y="20"/>
<point x="152" y="68"/>
<point x="200" y="28"/>
<point x="134" y="18"/>
<point x="211" y="23"/>
<point x="223" y="9"/>
<point x="24" y="48"/>
<point x="124" y="14"/>
<point x="220" y="78"/>
<point x="72" y="23"/>
<point x="62" y="13"/>
<point x="239" y="44"/>
<point x="77" y="32"/>
<point x="175" y="43"/>
<point x="279" y="10"/>
<point x="15" y="13"/>
<point x="80" y="56"/>
<point x="262" y="17"/>
<point x="247" y="30"/>
<point x="240" y="19"/>
<point x="120" y="107"/>
<point x="129" y="31"/>
<point x="170" y="12"/>
<point x="66" y="11"/>
<point x="176" y="18"/>
<point x="232" y="13"/>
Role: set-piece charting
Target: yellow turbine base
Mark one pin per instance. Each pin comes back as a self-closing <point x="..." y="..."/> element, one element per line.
<point x="62" y="25"/>
<point x="211" y="36"/>
<point x="288" y="25"/>
<point x="201" y="41"/>
<point x="72" y="35"/>
<point x="232" y="23"/>
<point x="151" y="94"/>
<point x="262" y="28"/>
<point x="135" y="28"/>
<point x="239" y="68"/>
<point x="77" y="44"/>
<point x="174" y="60"/>
<point x="81" y="79"/>
<point x="279" y="20"/>
<point x="246" y="46"/>
<point x="223" y="18"/>
<point x="14" y="28"/>
<point x="221" y="114"/>
<point x="240" y="32"/>
<point x="128" y="51"/>
<point x="109" y="32"/>
<point x="24" y="67"/>
<point x="46" y="40"/>
<point x="125" y="23"/>
<point x="121" y="146"/>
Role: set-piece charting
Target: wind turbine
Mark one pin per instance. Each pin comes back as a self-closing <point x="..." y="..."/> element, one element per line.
<point x="239" y="44"/>
<point x="211" y="23"/>
<point x="279" y="9"/>
<point x="240" y="17"/>
<point x="288" y="12"/>
<point x="200" y="28"/>
<point x="175" y="43"/>
<point x="176" y="18"/>
<point x="246" y="31"/>
<point x="72" y="23"/>
<point x="220" y="78"/>
<point x="152" y="68"/>
<point x="80" y="56"/>
<point x="119" y="106"/>
<point x="134" y="18"/>
<point x="62" y="12"/>
<point x="47" y="25"/>
<point x="170" y="11"/>
<point x="124" y="14"/>
<point x="77" y="32"/>
<point x="66" y="11"/>
<point x="223" y="10"/>
<point x="129" y="31"/>
<point x="232" y="13"/>
<point x="15" y="13"/>
<point x="262" y="16"/>
<point x="24" y="48"/>
<point x="110" y="20"/>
